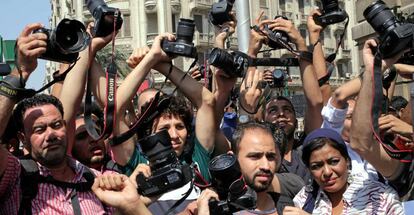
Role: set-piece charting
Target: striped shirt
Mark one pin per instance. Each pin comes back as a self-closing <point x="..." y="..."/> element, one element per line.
<point x="50" y="199"/>
<point x="361" y="197"/>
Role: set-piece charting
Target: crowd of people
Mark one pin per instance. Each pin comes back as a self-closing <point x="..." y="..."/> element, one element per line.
<point x="50" y="164"/>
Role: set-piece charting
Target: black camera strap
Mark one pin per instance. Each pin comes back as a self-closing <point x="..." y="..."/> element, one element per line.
<point x="151" y="112"/>
<point x="394" y="152"/>
<point x="332" y="56"/>
<point x="110" y="104"/>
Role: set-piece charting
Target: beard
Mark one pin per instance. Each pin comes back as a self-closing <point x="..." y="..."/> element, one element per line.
<point x="50" y="159"/>
<point x="259" y="187"/>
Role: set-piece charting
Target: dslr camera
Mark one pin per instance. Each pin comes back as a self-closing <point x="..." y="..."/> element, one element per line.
<point x="231" y="188"/>
<point x="104" y="17"/>
<point x="331" y="13"/>
<point x="394" y="36"/>
<point x="279" y="78"/>
<point x="234" y="64"/>
<point x="220" y="12"/>
<point x="167" y="171"/>
<point x="65" y="41"/>
<point x="277" y="39"/>
<point x="183" y="45"/>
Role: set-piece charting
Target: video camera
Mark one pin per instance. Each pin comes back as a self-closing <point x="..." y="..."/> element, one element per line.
<point x="167" y="171"/>
<point x="234" y="194"/>
<point x="104" y="17"/>
<point x="331" y="13"/>
<point x="395" y="36"/>
<point x="65" y="41"/>
<point x="235" y="63"/>
<point x="183" y="45"/>
<point x="220" y="12"/>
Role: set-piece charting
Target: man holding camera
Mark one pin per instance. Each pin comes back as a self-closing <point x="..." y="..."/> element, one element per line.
<point x="63" y="185"/>
<point x="259" y="157"/>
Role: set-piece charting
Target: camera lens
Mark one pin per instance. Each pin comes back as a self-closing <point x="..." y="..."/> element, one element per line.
<point x="278" y="74"/>
<point x="157" y="147"/>
<point x="224" y="170"/>
<point x="380" y="17"/>
<point x="330" y="5"/>
<point x="70" y="36"/>
<point x="223" y="60"/>
<point x="185" y="31"/>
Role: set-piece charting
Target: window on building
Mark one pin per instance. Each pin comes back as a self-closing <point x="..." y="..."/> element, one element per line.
<point x="322" y="37"/>
<point x="198" y="20"/>
<point x="263" y="3"/>
<point x="174" y="23"/>
<point x="301" y="5"/>
<point x="282" y="3"/>
<point x="303" y="32"/>
<point x="152" y="24"/>
<point x="127" y="25"/>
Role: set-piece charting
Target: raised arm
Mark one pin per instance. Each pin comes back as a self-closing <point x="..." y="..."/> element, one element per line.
<point x="362" y="140"/>
<point x="29" y="48"/>
<point x="73" y="87"/>
<point x="201" y="97"/>
<point x="313" y="95"/>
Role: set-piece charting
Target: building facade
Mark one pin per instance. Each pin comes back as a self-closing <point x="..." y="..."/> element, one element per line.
<point x="362" y="30"/>
<point x="145" y="19"/>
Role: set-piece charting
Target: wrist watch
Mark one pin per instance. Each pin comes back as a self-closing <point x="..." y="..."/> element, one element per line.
<point x="243" y="118"/>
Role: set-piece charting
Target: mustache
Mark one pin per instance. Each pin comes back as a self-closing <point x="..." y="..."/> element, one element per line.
<point x="263" y="172"/>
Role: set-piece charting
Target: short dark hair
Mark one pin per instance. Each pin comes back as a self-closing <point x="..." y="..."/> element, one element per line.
<point x="318" y="143"/>
<point x="181" y="108"/>
<point x="264" y="126"/>
<point x="35" y="101"/>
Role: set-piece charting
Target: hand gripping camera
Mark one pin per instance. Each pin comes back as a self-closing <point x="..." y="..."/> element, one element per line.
<point x="279" y="78"/>
<point x="167" y="171"/>
<point x="394" y="35"/>
<point x="104" y="17"/>
<point x="277" y="39"/>
<point x="65" y="41"/>
<point x="331" y="13"/>
<point x="220" y="12"/>
<point x="183" y="45"/>
<point x="232" y="190"/>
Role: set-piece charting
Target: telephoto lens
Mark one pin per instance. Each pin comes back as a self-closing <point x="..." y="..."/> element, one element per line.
<point x="220" y="12"/>
<point x="394" y="36"/>
<point x="185" y="31"/>
<point x="279" y="78"/>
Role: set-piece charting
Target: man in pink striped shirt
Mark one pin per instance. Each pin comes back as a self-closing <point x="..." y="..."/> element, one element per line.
<point x="43" y="131"/>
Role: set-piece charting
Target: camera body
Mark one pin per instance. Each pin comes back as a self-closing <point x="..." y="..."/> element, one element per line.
<point x="220" y="12"/>
<point x="394" y="35"/>
<point x="234" y="64"/>
<point x="65" y="41"/>
<point x="230" y="185"/>
<point x="183" y="45"/>
<point x="279" y="78"/>
<point x="331" y="13"/>
<point x="277" y="39"/>
<point x="104" y="17"/>
<point x="167" y="171"/>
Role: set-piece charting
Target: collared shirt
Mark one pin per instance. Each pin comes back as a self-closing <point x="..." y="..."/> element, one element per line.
<point x="50" y="199"/>
<point x="363" y="196"/>
<point x="334" y="118"/>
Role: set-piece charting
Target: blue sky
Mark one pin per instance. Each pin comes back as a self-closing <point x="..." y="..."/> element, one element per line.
<point x="14" y="15"/>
